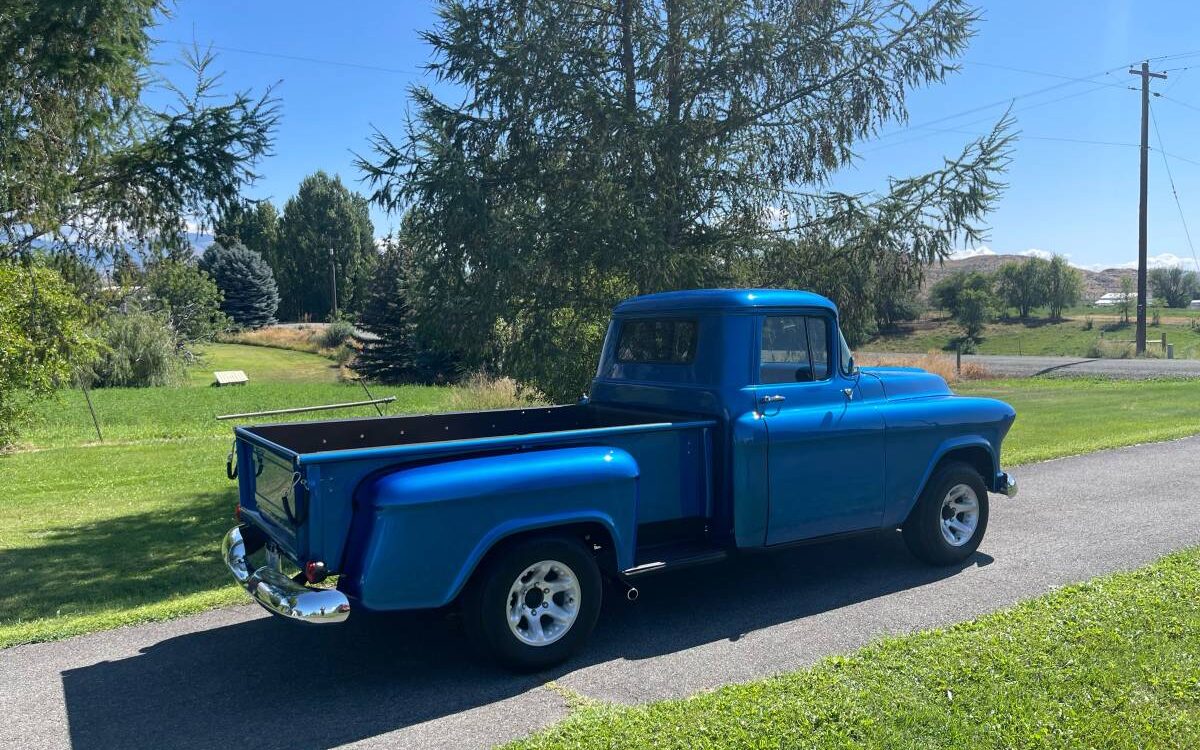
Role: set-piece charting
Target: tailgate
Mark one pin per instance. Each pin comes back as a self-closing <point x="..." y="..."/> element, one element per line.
<point x="272" y="492"/>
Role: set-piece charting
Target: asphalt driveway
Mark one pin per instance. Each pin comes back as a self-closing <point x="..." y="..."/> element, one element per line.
<point x="236" y="678"/>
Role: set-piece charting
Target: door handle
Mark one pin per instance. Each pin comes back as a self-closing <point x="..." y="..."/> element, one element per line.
<point x="772" y="399"/>
<point x="848" y="393"/>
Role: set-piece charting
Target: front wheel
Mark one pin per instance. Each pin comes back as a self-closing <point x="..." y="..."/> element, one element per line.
<point x="950" y="518"/>
<point x="535" y="602"/>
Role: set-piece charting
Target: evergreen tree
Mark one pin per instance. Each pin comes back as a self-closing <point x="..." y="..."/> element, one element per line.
<point x="90" y="162"/>
<point x="251" y="297"/>
<point x="393" y="353"/>
<point x="324" y="216"/>
<point x="603" y="149"/>
<point x="255" y="224"/>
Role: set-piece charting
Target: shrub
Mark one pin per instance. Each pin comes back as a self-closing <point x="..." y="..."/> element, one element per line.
<point x="939" y="363"/>
<point x="44" y="337"/>
<point x="189" y="297"/>
<point x="140" y="351"/>
<point x="336" y="334"/>
<point x="483" y="391"/>
<point x="344" y="354"/>
<point x="1105" y="349"/>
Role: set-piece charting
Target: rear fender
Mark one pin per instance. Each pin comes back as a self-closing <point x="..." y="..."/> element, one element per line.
<point x="426" y="528"/>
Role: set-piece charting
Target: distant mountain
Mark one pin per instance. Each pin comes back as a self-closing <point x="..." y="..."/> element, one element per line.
<point x="1095" y="283"/>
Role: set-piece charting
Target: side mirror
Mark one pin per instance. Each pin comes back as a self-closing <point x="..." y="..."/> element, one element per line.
<point x="850" y="366"/>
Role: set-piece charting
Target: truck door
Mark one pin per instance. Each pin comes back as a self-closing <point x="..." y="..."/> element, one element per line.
<point x="825" y="441"/>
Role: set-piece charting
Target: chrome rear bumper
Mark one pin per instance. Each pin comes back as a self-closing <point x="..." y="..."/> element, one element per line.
<point x="1006" y="484"/>
<point x="279" y="594"/>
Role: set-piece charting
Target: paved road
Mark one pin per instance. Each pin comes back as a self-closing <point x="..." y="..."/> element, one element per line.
<point x="1014" y="366"/>
<point x="234" y="678"/>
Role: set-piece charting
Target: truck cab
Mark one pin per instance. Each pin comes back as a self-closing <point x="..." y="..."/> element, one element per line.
<point x="718" y="421"/>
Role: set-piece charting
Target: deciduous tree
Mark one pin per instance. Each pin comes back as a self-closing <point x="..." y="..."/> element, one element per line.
<point x="44" y="339"/>
<point x="1023" y="284"/>
<point x="1064" y="284"/>
<point x="1174" y="286"/>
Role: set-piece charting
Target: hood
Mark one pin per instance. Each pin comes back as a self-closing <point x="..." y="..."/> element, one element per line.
<point x="908" y="382"/>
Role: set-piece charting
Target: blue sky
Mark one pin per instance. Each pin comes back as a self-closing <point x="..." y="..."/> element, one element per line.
<point x="1065" y="196"/>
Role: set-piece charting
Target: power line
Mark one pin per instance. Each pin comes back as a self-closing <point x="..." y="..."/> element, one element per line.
<point x="1171" y="179"/>
<point x="299" y="58"/>
<point x="1009" y="100"/>
<point x="1047" y="74"/>
<point x="1177" y="157"/>
<point x="934" y="131"/>
<point x="1177" y="101"/>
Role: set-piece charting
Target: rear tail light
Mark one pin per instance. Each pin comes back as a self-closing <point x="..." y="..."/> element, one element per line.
<point x="237" y="512"/>
<point x="314" y="571"/>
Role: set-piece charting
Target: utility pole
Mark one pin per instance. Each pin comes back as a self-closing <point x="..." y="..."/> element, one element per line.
<point x="1141" y="277"/>
<point x="333" y="283"/>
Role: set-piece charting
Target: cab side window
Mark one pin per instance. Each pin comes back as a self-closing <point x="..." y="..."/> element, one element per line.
<point x="795" y="349"/>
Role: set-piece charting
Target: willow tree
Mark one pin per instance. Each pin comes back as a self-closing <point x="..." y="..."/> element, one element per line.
<point x="614" y="147"/>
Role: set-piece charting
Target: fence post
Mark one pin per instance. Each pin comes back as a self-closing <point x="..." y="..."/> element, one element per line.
<point x="958" y="358"/>
<point x="1164" y="342"/>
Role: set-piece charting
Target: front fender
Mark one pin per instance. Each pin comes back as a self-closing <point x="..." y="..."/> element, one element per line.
<point x="423" y="530"/>
<point x="922" y="432"/>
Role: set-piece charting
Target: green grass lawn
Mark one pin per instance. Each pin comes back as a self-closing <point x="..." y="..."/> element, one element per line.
<point x="1068" y="416"/>
<point x="1112" y="663"/>
<point x="98" y="535"/>
<point x="1070" y="337"/>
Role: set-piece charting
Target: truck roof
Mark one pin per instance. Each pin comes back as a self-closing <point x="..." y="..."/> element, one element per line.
<point x="709" y="299"/>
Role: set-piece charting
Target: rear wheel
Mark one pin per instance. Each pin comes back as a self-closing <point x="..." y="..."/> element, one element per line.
<point x="951" y="516"/>
<point x="535" y="602"/>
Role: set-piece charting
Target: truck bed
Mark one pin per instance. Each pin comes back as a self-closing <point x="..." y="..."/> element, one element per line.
<point x="299" y="478"/>
<point x="301" y="438"/>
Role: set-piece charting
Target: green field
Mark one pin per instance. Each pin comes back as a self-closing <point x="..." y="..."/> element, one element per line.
<point x="1068" y="416"/>
<point x="94" y="535"/>
<point x="1113" y="663"/>
<point x="1069" y="337"/>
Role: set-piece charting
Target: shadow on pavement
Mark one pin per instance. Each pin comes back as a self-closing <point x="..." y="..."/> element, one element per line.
<point x="267" y="683"/>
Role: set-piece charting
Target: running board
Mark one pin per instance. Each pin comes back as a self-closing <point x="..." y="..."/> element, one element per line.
<point x="703" y="558"/>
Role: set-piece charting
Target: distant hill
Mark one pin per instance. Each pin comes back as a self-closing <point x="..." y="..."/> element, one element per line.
<point x="1095" y="283"/>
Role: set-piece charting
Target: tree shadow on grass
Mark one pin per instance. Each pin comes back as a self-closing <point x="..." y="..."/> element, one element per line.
<point x="119" y="562"/>
<point x="272" y="684"/>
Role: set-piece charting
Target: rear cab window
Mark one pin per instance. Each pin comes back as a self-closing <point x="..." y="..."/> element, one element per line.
<point x="794" y="349"/>
<point x="659" y="341"/>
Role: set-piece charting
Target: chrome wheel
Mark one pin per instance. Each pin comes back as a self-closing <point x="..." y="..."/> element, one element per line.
<point x="960" y="515"/>
<point x="543" y="603"/>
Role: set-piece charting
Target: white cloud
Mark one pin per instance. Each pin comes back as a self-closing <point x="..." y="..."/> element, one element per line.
<point x="972" y="252"/>
<point x="1034" y="252"/>
<point x="1162" y="260"/>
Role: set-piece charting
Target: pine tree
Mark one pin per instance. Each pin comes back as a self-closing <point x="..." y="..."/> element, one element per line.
<point x="251" y="297"/>
<point x="387" y="355"/>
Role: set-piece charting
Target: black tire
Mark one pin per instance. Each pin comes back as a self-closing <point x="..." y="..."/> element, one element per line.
<point x="488" y="597"/>
<point x="923" y="529"/>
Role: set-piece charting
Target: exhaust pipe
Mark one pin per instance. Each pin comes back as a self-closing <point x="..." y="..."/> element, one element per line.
<point x="631" y="592"/>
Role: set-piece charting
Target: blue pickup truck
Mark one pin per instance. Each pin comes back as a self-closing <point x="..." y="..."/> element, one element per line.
<point x="718" y="421"/>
